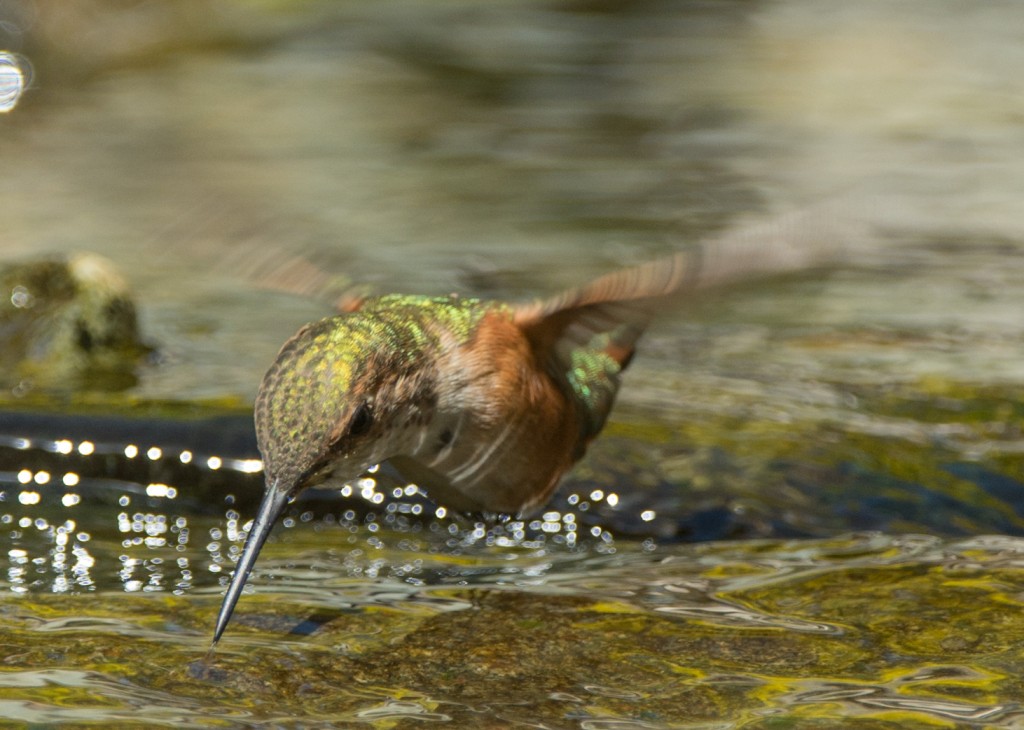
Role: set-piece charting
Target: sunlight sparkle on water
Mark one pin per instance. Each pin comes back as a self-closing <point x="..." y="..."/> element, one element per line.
<point x="247" y="466"/>
<point x="13" y="81"/>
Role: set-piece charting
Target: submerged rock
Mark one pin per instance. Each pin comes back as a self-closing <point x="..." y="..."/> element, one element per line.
<point x="67" y="321"/>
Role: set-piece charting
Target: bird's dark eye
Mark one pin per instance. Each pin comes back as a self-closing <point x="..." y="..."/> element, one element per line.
<point x="361" y="421"/>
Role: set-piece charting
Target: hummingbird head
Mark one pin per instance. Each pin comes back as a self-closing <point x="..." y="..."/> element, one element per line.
<point x="326" y="407"/>
<point x="316" y="409"/>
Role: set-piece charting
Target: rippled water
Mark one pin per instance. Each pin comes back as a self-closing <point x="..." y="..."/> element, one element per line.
<point x="634" y="635"/>
<point x="806" y="511"/>
<point x="371" y="608"/>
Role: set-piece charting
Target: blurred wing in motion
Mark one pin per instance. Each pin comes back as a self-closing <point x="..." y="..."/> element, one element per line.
<point x="588" y="334"/>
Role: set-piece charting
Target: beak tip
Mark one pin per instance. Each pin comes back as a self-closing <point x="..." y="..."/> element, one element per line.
<point x="273" y="504"/>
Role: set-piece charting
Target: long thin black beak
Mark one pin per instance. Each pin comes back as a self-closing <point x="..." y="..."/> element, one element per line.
<point x="273" y="505"/>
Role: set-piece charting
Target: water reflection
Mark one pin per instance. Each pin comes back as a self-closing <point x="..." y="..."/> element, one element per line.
<point x="896" y="697"/>
<point x="89" y="697"/>
<point x="396" y="710"/>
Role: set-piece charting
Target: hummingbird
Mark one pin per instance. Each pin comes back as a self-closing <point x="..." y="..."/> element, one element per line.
<point x="482" y="404"/>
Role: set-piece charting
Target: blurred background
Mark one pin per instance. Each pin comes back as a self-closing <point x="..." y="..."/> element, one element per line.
<point x="515" y="148"/>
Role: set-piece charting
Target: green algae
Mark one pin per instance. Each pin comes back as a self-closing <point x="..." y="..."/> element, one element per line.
<point x="870" y="463"/>
<point x="859" y="632"/>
